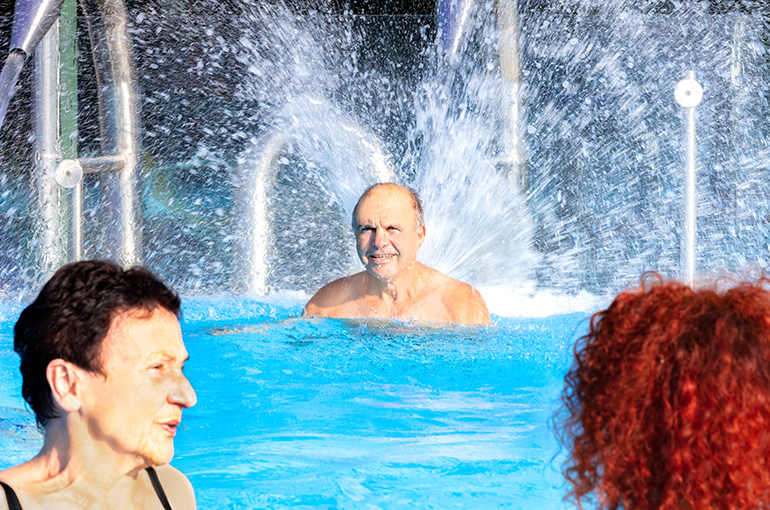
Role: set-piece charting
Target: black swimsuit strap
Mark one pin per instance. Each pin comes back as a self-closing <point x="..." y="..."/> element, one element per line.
<point x="13" y="500"/>
<point x="14" y="504"/>
<point x="157" y="486"/>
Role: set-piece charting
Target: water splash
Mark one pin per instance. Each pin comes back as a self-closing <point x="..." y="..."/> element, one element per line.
<point x="340" y="158"/>
<point x="603" y="138"/>
<point x="479" y="227"/>
<point x="606" y="144"/>
<point x="447" y="160"/>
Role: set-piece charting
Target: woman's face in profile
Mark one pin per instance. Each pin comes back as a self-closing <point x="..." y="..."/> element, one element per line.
<point x="136" y="406"/>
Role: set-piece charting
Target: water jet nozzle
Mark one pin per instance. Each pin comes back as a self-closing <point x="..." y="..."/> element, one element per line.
<point x="68" y="173"/>
<point x="688" y="92"/>
<point x="32" y="19"/>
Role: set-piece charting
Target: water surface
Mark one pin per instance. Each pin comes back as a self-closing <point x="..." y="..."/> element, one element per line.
<point x="322" y="413"/>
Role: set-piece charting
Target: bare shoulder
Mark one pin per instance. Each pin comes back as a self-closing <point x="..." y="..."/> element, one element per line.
<point x="464" y="303"/>
<point x="3" y="500"/>
<point x="18" y="474"/>
<point x="14" y="477"/>
<point x="178" y="488"/>
<point x="334" y="295"/>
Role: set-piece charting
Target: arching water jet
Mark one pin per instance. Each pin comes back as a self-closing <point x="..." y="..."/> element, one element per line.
<point x="347" y="159"/>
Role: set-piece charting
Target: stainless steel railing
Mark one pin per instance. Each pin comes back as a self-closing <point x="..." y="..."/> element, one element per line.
<point x="36" y="29"/>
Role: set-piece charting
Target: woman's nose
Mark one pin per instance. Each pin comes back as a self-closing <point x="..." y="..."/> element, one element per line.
<point x="183" y="393"/>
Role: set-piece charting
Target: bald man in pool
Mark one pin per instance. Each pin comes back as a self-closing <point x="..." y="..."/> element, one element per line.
<point x="389" y="229"/>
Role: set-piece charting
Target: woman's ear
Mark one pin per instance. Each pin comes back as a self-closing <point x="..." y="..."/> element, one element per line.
<point x="65" y="384"/>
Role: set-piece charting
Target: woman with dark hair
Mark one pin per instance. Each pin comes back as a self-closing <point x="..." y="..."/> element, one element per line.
<point x="667" y="405"/>
<point x="101" y="362"/>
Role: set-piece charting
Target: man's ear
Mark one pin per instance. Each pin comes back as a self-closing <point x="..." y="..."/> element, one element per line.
<point x="421" y="235"/>
<point x="65" y="383"/>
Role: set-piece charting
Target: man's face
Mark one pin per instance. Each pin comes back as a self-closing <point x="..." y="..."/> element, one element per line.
<point x="136" y="406"/>
<point x="387" y="236"/>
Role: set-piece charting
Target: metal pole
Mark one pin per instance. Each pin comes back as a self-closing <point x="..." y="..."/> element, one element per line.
<point x="68" y="115"/>
<point x="260" y="226"/>
<point x="76" y="222"/>
<point x="508" y="21"/>
<point x="119" y="115"/>
<point x="51" y="253"/>
<point x="689" y="198"/>
<point x="452" y="18"/>
<point x="127" y="121"/>
<point x="688" y="94"/>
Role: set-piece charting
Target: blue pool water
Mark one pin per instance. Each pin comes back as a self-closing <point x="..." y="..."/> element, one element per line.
<point x="296" y="413"/>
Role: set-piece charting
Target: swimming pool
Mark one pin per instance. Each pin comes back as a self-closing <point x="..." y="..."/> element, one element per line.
<point x="296" y="413"/>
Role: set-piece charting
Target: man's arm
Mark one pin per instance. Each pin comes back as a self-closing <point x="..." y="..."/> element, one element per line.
<point x="313" y="306"/>
<point x="467" y="306"/>
<point x="477" y="308"/>
<point x="330" y="300"/>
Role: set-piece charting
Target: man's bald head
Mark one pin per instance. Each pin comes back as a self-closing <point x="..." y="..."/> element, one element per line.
<point x="393" y="188"/>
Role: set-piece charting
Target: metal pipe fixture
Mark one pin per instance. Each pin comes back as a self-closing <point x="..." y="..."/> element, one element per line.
<point x="452" y="17"/>
<point x="513" y="158"/>
<point x="118" y="105"/>
<point x="688" y="94"/>
<point x="119" y="116"/>
<point x="51" y="253"/>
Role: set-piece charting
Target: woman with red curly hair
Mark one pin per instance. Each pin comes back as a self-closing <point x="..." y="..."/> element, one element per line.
<point x="667" y="405"/>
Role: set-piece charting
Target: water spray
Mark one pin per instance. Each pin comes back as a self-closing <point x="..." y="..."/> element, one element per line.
<point x="302" y="120"/>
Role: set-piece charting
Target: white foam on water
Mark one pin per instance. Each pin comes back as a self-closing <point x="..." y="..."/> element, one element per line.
<point x="528" y="301"/>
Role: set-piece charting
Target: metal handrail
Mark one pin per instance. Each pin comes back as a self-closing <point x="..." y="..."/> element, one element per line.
<point x="36" y="29"/>
<point x="119" y="123"/>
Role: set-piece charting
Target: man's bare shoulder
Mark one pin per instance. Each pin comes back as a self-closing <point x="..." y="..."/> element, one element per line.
<point x="335" y="295"/>
<point x="463" y="303"/>
<point x="469" y="305"/>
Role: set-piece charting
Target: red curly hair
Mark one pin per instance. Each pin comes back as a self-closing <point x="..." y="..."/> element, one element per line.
<point x="667" y="404"/>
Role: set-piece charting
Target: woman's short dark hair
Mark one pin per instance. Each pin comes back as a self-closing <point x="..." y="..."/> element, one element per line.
<point x="71" y="316"/>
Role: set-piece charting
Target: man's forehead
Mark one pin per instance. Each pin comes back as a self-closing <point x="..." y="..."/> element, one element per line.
<point x="389" y="199"/>
<point x="391" y="205"/>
